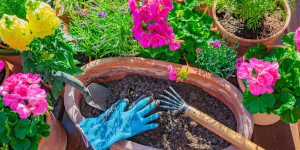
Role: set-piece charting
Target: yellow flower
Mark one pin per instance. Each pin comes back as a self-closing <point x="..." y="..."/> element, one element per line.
<point x="15" y="32"/>
<point x="42" y="19"/>
<point x="47" y="56"/>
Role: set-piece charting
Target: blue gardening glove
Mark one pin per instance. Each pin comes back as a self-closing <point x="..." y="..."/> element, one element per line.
<point x="110" y="127"/>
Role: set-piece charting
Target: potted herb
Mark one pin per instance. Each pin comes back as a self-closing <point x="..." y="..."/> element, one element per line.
<point x="26" y="117"/>
<point x="272" y="80"/>
<point x="42" y="44"/>
<point x="250" y="21"/>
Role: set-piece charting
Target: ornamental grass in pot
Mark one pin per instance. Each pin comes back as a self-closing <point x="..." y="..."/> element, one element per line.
<point x="272" y="80"/>
<point x="26" y="120"/>
<point x="41" y="42"/>
<point x="250" y="22"/>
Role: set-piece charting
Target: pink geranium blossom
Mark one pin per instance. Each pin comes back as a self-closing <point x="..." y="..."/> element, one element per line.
<point x="23" y="94"/>
<point x="198" y="50"/>
<point x="297" y="39"/>
<point x="2" y="65"/>
<point x="260" y="75"/>
<point x="173" y="73"/>
<point x="174" y="45"/>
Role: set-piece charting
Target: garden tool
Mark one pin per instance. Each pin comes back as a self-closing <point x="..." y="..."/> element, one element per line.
<point x="95" y="94"/>
<point x="174" y="102"/>
<point x="103" y="131"/>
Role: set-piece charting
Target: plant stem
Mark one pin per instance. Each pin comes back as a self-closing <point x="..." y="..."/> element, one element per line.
<point x="287" y="56"/>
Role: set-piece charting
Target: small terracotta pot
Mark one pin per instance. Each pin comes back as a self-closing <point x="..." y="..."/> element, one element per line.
<point x="16" y="66"/>
<point x="7" y="71"/>
<point x="58" y="137"/>
<point x="50" y="87"/>
<point x="246" y="43"/>
<point x="116" y="68"/>
<point x="262" y="119"/>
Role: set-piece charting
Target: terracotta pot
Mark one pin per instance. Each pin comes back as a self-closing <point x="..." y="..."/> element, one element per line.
<point x="58" y="137"/>
<point x="7" y="71"/>
<point x="16" y="66"/>
<point x="116" y="68"/>
<point x="50" y="87"/>
<point x="262" y="119"/>
<point x="246" y="43"/>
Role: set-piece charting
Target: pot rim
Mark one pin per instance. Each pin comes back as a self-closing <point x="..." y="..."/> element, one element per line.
<point x="244" y="40"/>
<point x="227" y="93"/>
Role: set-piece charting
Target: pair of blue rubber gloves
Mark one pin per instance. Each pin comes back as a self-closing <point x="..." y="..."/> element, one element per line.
<point x="120" y="122"/>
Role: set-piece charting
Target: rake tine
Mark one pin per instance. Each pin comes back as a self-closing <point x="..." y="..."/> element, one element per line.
<point x="169" y="103"/>
<point x="176" y="94"/>
<point x="175" y="98"/>
<point x="167" y="107"/>
<point x="163" y="96"/>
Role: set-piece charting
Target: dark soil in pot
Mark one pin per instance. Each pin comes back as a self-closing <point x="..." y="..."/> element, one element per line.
<point x="271" y="24"/>
<point x="176" y="130"/>
<point x="2" y="75"/>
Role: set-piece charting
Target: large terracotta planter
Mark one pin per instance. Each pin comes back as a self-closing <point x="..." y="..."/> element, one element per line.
<point x="246" y="43"/>
<point x="58" y="137"/>
<point x="262" y="119"/>
<point x="116" y="68"/>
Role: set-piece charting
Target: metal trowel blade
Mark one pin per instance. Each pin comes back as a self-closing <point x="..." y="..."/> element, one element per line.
<point x="99" y="96"/>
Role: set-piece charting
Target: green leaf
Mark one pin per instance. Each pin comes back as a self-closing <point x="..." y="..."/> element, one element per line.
<point x="3" y="118"/>
<point x="258" y="104"/>
<point x="259" y="51"/>
<point x="277" y="53"/>
<point x="65" y="47"/>
<point x="287" y="39"/>
<point x="35" y="142"/>
<point x="292" y="115"/>
<point x="57" y="87"/>
<point x="21" y="128"/>
<point x="32" y="131"/>
<point x="286" y="101"/>
<point x="18" y="144"/>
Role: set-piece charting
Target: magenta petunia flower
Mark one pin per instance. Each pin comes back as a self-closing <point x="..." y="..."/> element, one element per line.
<point x="239" y="62"/>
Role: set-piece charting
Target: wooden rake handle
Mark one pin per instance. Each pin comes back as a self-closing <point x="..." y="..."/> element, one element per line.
<point x="220" y="129"/>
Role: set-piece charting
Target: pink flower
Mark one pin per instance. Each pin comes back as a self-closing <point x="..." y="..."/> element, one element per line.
<point x="173" y="73"/>
<point x="23" y="111"/>
<point x="32" y="79"/>
<point x="239" y="62"/>
<point x="174" y="45"/>
<point x="297" y="38"/>
<point x="167" y="3"/>
<point x="257" y="89"/>
<point x="258" y="64"/>
<point x="245" y="70"/>
<point x="157" y="40"/>
<point x="2" y="65"/>
<point x="265" y="78"/>
<point x="137" y="30"/>
<point x="217" y="44"/>
<point x="155" y="28"/>
<point x="198" y="50"/>
<point x="145" y="40"/>
<point x="13" y="100"/>
<point x="38" y="106"/>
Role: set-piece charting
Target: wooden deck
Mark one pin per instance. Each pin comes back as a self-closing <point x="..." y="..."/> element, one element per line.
<point x="274" y="137"/>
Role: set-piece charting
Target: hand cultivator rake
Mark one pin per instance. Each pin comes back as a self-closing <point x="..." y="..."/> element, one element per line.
<point x="174" y="102"/>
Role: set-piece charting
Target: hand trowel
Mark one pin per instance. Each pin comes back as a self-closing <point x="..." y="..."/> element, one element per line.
<point x="95" y="94"/>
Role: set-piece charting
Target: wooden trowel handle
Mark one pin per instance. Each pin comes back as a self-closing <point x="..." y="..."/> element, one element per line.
<point x="220" y="129"/>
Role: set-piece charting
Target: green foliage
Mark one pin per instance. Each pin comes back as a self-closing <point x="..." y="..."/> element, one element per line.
<point x="219" y="61"/>
<point x="252" y="11"/>
<point x="50" y="53"/>
<point x="20" y="134"/>
<point x="287" y="87"/>
<point x="104" y="36"/>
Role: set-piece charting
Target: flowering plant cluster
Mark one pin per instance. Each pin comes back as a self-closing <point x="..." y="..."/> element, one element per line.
<point x="177" y="74"/>
<point x="152" y="15"/>
<point x="22" y="110"/>
<point x="260" y="75"/>
<point x="19" y="33"/>
<point x="273" y="87"/>
<point x="23" y="94"/>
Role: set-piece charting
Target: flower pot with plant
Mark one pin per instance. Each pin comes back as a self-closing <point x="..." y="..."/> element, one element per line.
<point x="272" y="79"/>
<point x="42" y="45"/>
<point x="251" y="22"/>
<point x="26" y="117"/>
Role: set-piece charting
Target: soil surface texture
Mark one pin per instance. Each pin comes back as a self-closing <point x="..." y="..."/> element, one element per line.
<point x="271" y="24"/>
<point x="176" y="131"/>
